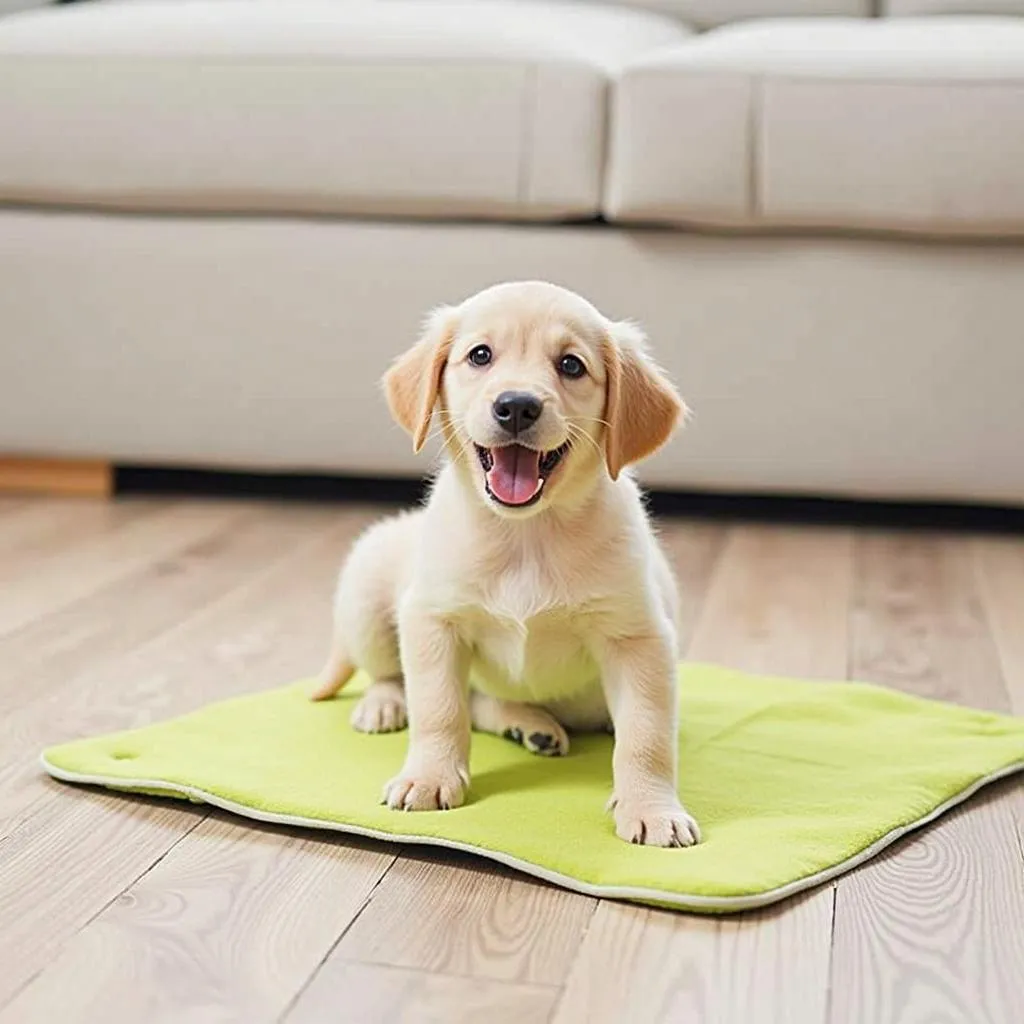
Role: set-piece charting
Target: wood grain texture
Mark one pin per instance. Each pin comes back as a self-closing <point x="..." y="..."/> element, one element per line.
<point x="693" y="549"/>
<point x="227" y="926"/>
<point x="70" y="573"/>
<point x="347" y="993"/>
<point x="931" y="930"/>
<point x="42" y="529"/>
<point x="918" y="624"/>
<point x="492" y="922"/>
<point x="92" y="478"/>
<point x="66" y="863"/>
<point x="777" y="602"/>
<point x="156" y="599"/>
<point x="254" y="634"/>
<point x="30" y="530"/>
<point x="999" y="564"/>
<point x="261" y="633"/>
<point x="654" y="965"/>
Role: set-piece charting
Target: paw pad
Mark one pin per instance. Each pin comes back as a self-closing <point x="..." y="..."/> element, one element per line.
<point x="543" y="743"/>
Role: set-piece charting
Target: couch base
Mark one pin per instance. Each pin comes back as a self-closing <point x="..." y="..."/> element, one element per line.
<point x="177" y="481"/>
<point x="845" y="367"/>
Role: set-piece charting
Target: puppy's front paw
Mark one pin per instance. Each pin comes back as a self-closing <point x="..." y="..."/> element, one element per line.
<point x="430" y="790"/>
<point x="663" y="823"/>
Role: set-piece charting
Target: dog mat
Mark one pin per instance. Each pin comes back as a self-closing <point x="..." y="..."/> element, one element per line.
<point x="792" y="782"/>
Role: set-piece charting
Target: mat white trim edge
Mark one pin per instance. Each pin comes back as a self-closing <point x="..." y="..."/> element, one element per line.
<point x="709" y="904"/>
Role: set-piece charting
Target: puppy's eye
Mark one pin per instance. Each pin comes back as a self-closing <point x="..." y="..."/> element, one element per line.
<point x="480" y="355"/>
<point x="571" y="366"/>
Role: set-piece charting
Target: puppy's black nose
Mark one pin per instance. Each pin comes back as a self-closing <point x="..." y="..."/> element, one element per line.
<point x="517" y="411"/>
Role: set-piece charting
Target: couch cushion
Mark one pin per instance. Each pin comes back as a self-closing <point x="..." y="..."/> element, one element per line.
<point x="10" y="6"/>
<point x="711" y="13"/>
<point x="905" y="125"/>
<point x="452" y="109"/>
<point x="902" y="8"/>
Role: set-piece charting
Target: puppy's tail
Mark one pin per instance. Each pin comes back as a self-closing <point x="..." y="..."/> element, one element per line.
<point x="334" y="675"/>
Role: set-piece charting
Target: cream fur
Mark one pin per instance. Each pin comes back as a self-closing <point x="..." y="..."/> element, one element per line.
<point x="564" y="612"/>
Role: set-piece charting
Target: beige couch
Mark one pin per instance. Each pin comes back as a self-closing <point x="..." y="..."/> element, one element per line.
<point x="219" y="219"/>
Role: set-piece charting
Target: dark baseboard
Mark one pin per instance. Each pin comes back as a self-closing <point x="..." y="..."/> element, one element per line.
<point x="893" y="515"/>
<point x="771" y="508"/>
<point x="272" y="486"/>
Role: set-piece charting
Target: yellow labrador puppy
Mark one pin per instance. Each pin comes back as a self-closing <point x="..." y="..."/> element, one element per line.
<point x="530" y="595"/>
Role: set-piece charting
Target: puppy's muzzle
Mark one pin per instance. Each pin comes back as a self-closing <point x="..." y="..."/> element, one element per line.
<point x="516" y="411"/>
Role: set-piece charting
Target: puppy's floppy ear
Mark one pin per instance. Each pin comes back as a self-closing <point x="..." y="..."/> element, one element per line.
<point x="413" y="382"/>
<point x="642" y="407"/>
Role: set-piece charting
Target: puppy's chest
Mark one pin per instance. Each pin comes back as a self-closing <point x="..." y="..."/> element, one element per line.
<point x="530" y="645"/>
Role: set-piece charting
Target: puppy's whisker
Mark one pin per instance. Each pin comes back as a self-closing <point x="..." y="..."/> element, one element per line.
<point x="463" y="447"/>
<point x="449" y="423"/>
<point x="577" y="433"/>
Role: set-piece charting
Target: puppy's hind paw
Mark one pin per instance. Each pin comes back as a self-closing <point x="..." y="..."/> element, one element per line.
<point x="380" y="709"/>
<point x="536" y="731"/>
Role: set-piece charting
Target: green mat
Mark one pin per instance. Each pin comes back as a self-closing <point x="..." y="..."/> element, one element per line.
<point x="792" y="783"/>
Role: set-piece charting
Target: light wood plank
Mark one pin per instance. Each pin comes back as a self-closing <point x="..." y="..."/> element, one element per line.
<point x="932" y="929"/>
<point x="92" y="478"/>
<point x="46" y="528"/>
<point x="347" y="993"/>
<point x="68" y="575"/>
<point x="34" y="527"/>
<point x="693" y="550"/>
<point x="262" y="634"/>
<point x="1000" y="566"/>
<point x="918" y="624"/>
<point x="227" y="926"/>
<point x="659" y="966"/>
<point x="66" y="864"/>
<point x="491" y="923"/>
<point x="777" y="603"/>
<point x="156" y="599"/>
<point x="265" y="632"/>
<point x="69" y="651"/>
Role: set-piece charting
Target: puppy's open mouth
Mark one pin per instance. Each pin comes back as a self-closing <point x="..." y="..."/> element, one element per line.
<point x="515" y="474"/>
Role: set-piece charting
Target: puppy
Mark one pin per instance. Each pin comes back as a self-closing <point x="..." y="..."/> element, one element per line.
<point x="530" y="595"/>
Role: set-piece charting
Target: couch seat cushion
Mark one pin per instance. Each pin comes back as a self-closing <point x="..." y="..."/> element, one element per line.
<point x="315" y="106"/>
<point x="908" y="125"/>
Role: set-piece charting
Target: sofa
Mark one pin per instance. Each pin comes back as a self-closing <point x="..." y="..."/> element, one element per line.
<point x="221" y="219"/>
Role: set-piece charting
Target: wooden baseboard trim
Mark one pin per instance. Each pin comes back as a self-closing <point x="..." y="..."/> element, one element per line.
<point x="82" y="478"/>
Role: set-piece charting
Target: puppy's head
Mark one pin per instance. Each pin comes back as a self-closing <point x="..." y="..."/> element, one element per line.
<point x="536" y="392"/>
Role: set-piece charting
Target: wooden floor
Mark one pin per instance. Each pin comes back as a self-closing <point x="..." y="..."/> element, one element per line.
<point x="113" y="615"/>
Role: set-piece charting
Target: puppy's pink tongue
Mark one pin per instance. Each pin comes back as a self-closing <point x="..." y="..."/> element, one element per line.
<point x="515" y="476"/>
